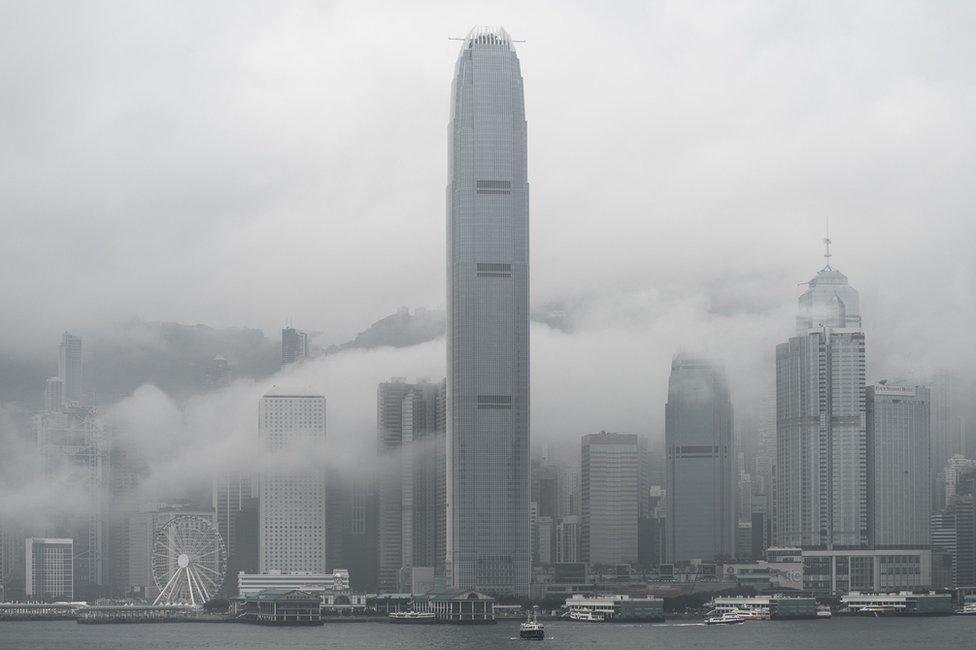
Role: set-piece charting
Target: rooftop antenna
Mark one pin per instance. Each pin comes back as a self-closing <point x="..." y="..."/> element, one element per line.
<point x="826" y="241"/>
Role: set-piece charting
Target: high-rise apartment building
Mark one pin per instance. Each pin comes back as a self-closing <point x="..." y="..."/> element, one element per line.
<point x="821" y="468"/>
<point x="488" y="544"/>
<point x="49" y="569"/>
<point x="610" y="499"/>
<point x="410" y="419"/>
<point x="899" y="484"/>
<point x="291" y="426"/>
<point x="69" y="369"/>
<point x="701" y="521"/>
<point x="53" y="394"/>
<point x="294" y="345"/>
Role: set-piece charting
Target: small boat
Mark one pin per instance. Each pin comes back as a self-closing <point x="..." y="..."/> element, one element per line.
<point x="413" y="617"/>
<point x="532" y="629"/>
<point x="824" y="612"/>
<point x="969" y="609"/>
<point x="876" y="610"/>
<point x="753" y="616"/>
<point x="728" y="618"/>
<point x="586" y="616"/>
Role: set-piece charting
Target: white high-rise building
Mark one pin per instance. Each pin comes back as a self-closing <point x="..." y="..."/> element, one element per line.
<point x="821" y="467"/>
<point x="291" y="425"/>
<point x="610" y="499"/>
<point x="49" y="568"/>
<point x="69" y="369"/>
<point x="488" y="546"/>
<point x="899" y="485"/>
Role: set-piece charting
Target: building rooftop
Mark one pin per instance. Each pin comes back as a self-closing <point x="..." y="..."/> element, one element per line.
<point x="488" y="36"/>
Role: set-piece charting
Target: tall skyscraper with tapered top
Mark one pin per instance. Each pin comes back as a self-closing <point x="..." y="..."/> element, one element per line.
<point x="821" y="455"/>
<point x="488" y="320"/>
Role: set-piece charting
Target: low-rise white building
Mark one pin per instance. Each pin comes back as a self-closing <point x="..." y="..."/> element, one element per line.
<point x="322" y="584"/>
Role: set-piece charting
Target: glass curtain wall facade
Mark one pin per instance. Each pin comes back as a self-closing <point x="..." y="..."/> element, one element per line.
<point x="821" y="468"/>
<point x="488" y="320"/>
<point x="698" y="435"/>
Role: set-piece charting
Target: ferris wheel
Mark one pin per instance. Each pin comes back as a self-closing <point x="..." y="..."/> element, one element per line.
<point x="188" y="561"/>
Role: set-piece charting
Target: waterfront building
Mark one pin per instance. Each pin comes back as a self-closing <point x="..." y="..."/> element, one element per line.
<point x="410" y="421"/>
<point x="831" y="572"/>
<point x="70" y="370"/>
<point x="698" y="435"/>
<point x="279" y="607"/>
<point x="457" y="606"/>
<point x="49" y="568"/>
<point x="609" y="489"/>
<point x="251" y="584"/>
<point x="291" y="426"/>
<point x="776" y="607"/>
<point x="899" y="484"/>
<point x="617" y="607"/>
<point x="905" y="603"/>
<point x="294" y="346"/>
<point x="488" y="546"/>
<point x="821" y="468"/>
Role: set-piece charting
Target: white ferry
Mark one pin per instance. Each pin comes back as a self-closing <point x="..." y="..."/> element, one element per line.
<point x="727" y="618"/>
<point x="586" y="616"/>
<point x="532" y="629"/>
<point x="413" y="617"/>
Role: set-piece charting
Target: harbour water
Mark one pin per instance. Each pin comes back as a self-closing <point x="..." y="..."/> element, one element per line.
<point x="834" y="634"/>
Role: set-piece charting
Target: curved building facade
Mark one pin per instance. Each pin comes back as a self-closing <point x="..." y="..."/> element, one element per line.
<point x="488" y="320"/>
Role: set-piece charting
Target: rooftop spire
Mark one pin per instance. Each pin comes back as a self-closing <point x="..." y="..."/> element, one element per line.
<point x="826" y="241"/>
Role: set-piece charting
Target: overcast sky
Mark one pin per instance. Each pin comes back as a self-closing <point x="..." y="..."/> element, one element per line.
<point x="245" y="163"/>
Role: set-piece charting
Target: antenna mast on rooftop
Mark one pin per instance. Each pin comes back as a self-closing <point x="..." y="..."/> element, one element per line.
<point x="826" y="241"/>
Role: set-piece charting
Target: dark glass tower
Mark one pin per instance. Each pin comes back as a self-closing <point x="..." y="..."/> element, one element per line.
<point x="488" y="320"/>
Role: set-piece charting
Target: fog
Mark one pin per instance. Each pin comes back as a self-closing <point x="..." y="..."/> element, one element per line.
<point x="197" y="163"/>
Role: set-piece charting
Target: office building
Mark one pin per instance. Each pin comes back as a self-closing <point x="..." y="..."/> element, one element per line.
<point x="70" y="369"/>
<point x="567" y="539"/>
<point x="53" y="394"/>
<point x="610" y="511"/>
<point x="821" y="468"/>
<point x="294" y="346"/>
<point x="410" y="421"/>
<point x="701" y="521"/>
<point x="74" y="447"/>
<point x="488" y="545"/>
<point x="49" y="569"/>
<point x="231" y="492"/>
<point x="291" y="426"/>
<point x="899" y="483"/>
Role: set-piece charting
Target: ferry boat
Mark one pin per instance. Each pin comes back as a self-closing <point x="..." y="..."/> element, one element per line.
<point x="728" y="618"/>
<point x="824" y="612"/>
<point x="532" y="629"/>
<point x="969" y="609"/>
<point x="586" y="616"/>
<point x="413" y="617"/>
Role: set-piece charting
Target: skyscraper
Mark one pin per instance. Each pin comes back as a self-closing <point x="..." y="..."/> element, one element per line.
<point x="231" y="492"/>
<point x="698" y="435"/>
<point x="50" y="570"/>
<point x="291" y="425"/>
<point x="410" y="427"/>
<point x="488" y="320"/>
<point x="821" y="468"/>
<point x="69" y="369"/>
<point x="294" y="345"/>
<point x="899" y="487"/>
<point x="74" y="446"/>
<point x="610" y="508"/>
